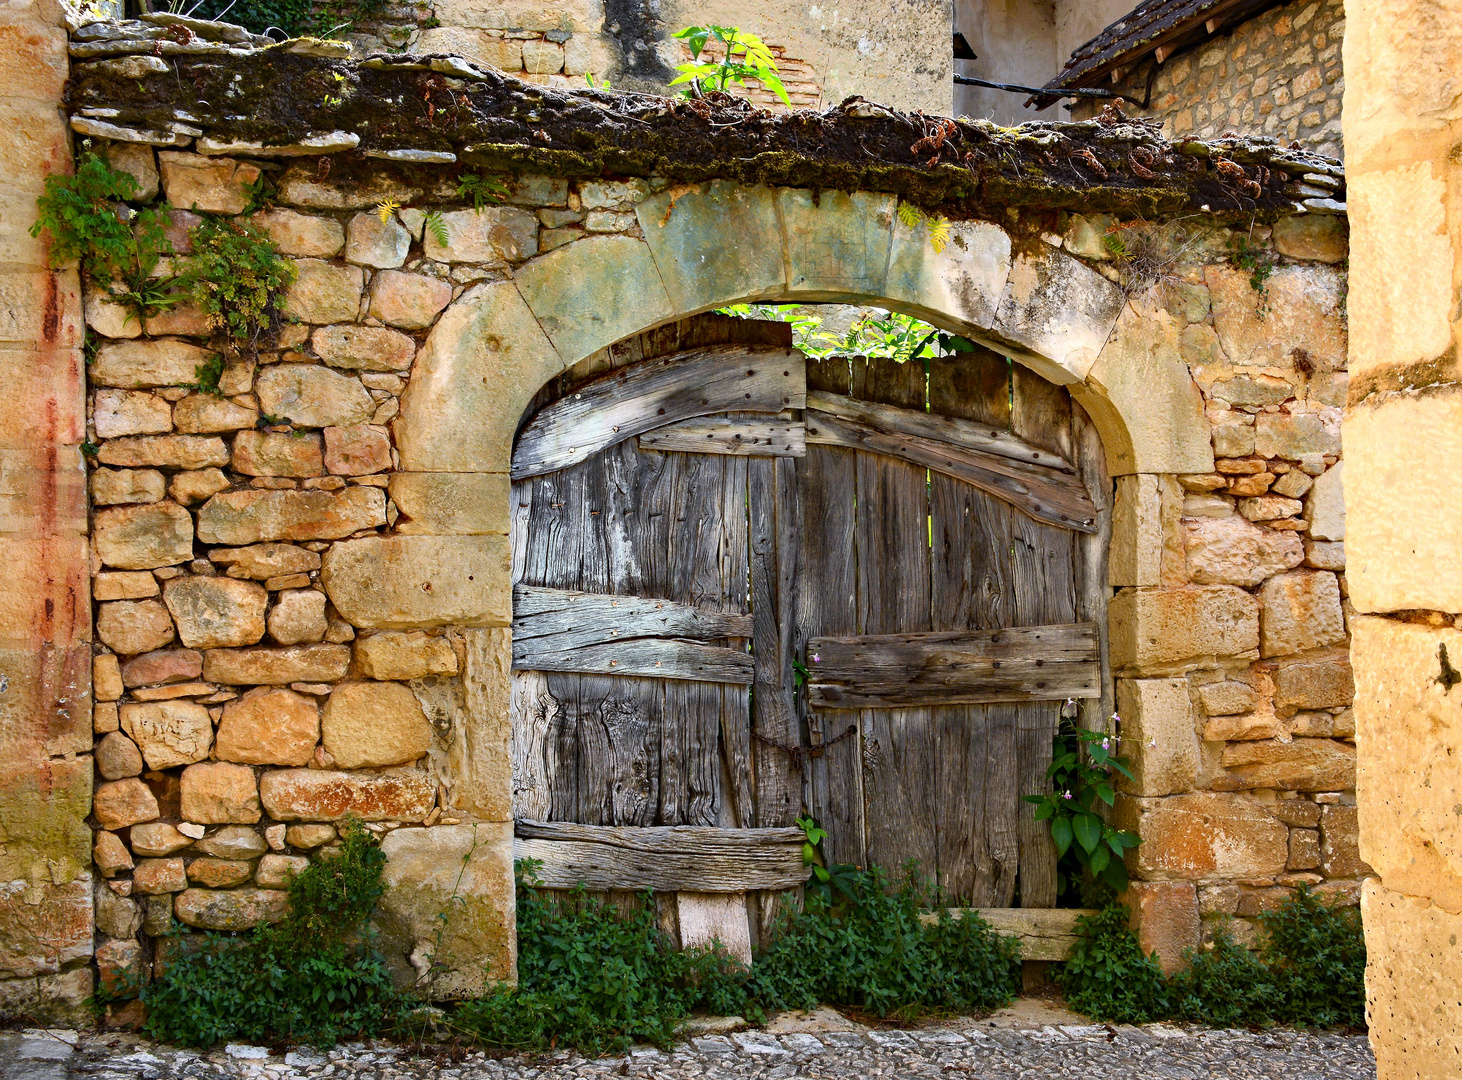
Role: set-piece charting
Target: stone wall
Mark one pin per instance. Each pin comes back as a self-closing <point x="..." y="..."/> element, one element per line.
<point x="1277" y="74"/>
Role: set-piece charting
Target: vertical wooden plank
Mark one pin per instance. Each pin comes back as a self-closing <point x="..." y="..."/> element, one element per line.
<point x="736" y="744"/>
<point x="1044" y="591"/>
<point x="892" y="533"/>
<point x="778" y="789"/>
<point x="1092" y="551"/>
<point x="976" y="782"/>
<point x="826" y="605"/>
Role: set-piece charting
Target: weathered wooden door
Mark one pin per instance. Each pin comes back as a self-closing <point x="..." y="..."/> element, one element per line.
<point x="714" y="513"/>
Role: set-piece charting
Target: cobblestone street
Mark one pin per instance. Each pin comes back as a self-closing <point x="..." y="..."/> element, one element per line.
<point x="1030" y="1042"/>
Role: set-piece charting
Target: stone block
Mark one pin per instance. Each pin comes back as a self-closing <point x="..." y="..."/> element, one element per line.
<point x="1203" y="836"/>
<point x="450" y="504"/>
<point x="165" y="451"/>
<point x="110" y="856"/>
<point x="476" y="45"/>
<point x="1312" y="682"/>
<point x="686" y="229"/>
<point x="170" y="733"/>
<point x="216" y="612"/>
<point x="1137" y="532"/>
<point x="298" y="616"/>
<point x="1231" y="551"/>
<point x="836" y="248"/>
<point x="1340" y="843"/>
<point x="113" y="487"/>
<point x="542" y="57"/>
<point x="323" y="292"/>
<point x="247" y="517"/>
<point x="1060" y="310"/>
<point x="123" y="802"/>
<point x="269" y="727"/>
<point x="1159" y="735"/>
<point x="313" y="396"/>
<point x="186" y="319"/>
<point x="372" y="724"/>
<point x="1316" y="237"/>
<point x="1300" y="610"/>
<point x="158" y="839"/>
<point x="41" y="308"/>
<point x="116" y="916"/>
<point x="1297" y="765"/>
<point x="494" y="235"/>
<point x="129" y="412"/>
<point x="1249" y="726"/>
<point x="364" y="348"/>
<point x="211" y="184"/>
<point x="425" y="869"/>
<point x="410" y="301"/>
<point x="373" y="242"/>
<point x="595" y="292"/>
<point x="277" y="871"/>
<point x="357" y="450"/>
<point x="1154" y="628"/>
<point x="273" y="453"/>
<point x="965" y="281"/>
<point x="419" y="582"/>
<point x="263" y="561"/>
<point x="133" y="626"/>
<point x="123" y="585"/>
<point x="309" y="836"/>
<point x="1165" y="917"/>
<point x="1325" y="508"/>
<point x="117" y="757"/>
<point x="1304" y="849"/>
<point x="321" y="795"/>
<point x="1233" y="440"/>
<point x="214" y="873"/>
<point x="44" y="926"/>
<point x="394" y="654"/>
<point x="276" y="667"/>
<point x="1294" y="436"/>
<point x="294" y="233"/>
<point x="220" y="793"/>
<point x="199" y="413"/>
<point x="1300" y="307"/>
<point x="1227" y="698"/>
<point x="106" y="676"/>
<point x="230" y="909"/>
<point x="233" y="842"/>
<point x="478" y="371"/>
<point x="167" y="666"/>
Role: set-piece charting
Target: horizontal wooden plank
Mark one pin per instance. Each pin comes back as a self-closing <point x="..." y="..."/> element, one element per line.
<point x="633" y="400"/>
<point x="681" y="858"/>
<point x="1041" y="933"/>
<point x="656" y="658"/>
<point x="1024" y="663"/>
<point x="746" y="436"/>
<point x="1042" y="493"/>
<point x="572" y="619"/>
<point x="964" y="433"/>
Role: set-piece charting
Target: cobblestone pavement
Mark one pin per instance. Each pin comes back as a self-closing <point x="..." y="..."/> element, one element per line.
<point x="1003" y="1047"/>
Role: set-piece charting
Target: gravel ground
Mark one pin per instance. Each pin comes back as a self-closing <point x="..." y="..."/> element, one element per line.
<point x="1031" y="1041"/>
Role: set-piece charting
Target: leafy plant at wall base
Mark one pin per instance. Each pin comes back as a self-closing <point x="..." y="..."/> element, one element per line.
<point x="1316" y="956"/>
<point x="1108" y="977"/>
<point x="236" y="276"/>
<point x="745" y="58"/>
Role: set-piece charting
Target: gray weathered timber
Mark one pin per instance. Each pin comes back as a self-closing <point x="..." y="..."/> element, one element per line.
<point x="773" y="503"/>
<point x="653" y="658"/>
<point x="1041" y="933"/>
<point x="1092" y="550"/>
<point x="635" y="399"/>
<point x="665" y="859"/>
<point x="1030" y="663"/>
<point x="562" y="619"/>
<point x="743" y="434"/>
<point x="1044" y="494"/>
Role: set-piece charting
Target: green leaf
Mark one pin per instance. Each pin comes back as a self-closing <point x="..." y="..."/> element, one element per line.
<point x="1088" y="830"/>
<point x="1060" y="834"/>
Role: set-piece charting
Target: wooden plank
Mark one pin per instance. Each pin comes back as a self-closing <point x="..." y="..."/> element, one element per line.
<point x="738" y="777"/>
<point x="826" y="590"/>
<point x="743" y="434"/>
<point x="773" y="505"/>
<point x="1092" y="552"/>
<point x="714" y="921"/>
<point x="1033" y="663"/>
<point x="1040" y="933"/>
<point x="653" y="393"/>
<point x="699" y="840"/>
<point x="650" y="658"/>
<point x="1044" y="494"/>
<point x="562" y="619"/>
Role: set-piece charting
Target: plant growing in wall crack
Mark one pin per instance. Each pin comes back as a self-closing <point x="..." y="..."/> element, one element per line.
<point x="745" y="58"/>
<point x="236" y="276"/>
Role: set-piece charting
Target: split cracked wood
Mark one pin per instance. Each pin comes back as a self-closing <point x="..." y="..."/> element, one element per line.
<point x="749" y="436"/>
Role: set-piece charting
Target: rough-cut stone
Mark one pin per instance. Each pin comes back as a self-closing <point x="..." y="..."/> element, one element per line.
<point x="165" y="451"/>
<point x="143" y="537"/>
<point x="358" y="450"/>
<point x="124" y="585"/>
<point x="1292" y="484"/>
<point x="216" y="612"/>
<point x="1227" y="698"/>
<point x="371" y="724"/>
<point x="246" y="517"/>
<point x="169" y="732"/>
<point x="1268" y="508"/>
<point x="191" y="488"/>
<point x="130" y="412"/>
<point x="264" y="561"/>
<point x="164" y="666"/>
<point x="106" y="677"/>
<point x="109" y="318"/>
<point x="1203" y="836"/>
<point x="218" y="793"/>
<point x="404" y="655"/>
<point x="1156" y="627"/>
<point x="117" y="756"/>
<point x="139" y="364"/>
<point x="1299" y="765"/>
<point x="410" y="301"/>
<point x="294" y="233"/>
<point x="450" y="504"/>
<point x="1299" y="307"/>
<point x="154" y="876"/>
<point x="324" y="293"/>
<point x="1412" y="968"/>
<point x="309" y="836"/>
<point x="1340" y="843"/>
<point x="116" y="916"/>
<point x="111" y="487"/>
<point x="320" y="795"/>
<point x="1165" y="916"/>
<point x="1304" y="849"/>
<point x="133" y="626"/>
<point x="231" y="909"/>
<point x="313" y="396"/>
<point x="233" y="842"/>
<point x="277" y="871"/>
<point x="1159" y="735"/>
<point x="199" y="413"/>
<point x="1325" y="508"/>
<point x="274" y="453"/>
<point x="417" y="582"/>
<point x="277" y="667"/>
<point x="1313" y="683"/>
<point x="373" y="242"/>
<point x="1280" y="435"/>
<point x="121" y="967"/>
<point x="269" y="727"/>
<point x="1232" y="551"/>
<point x="110" y="855"/>
<point x="1300" y="610"/>
<point x="364" y="348"/>
<point x="1324" y="556"/>
<point x="1233" y="440"/>
<point x="158" y="839"/>
<point x="219" y="873"/>
<point x="212" y="184"/>
<point x="1259" y="725"/>
<point x="1253" y="390"/>
<point x="1316" y="237"/>
<point x="493" y="235"/>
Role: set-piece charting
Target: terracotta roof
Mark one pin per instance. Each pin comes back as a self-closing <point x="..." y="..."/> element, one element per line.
<point x="1153" y="25"/>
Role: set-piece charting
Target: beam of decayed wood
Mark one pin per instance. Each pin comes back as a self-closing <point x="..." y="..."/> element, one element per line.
<point x="663" y="858"/>
<point x="651" y="394"/>
<point x="571" y="619"/>
<point x="736" y="434"/>
<point x="655" y="658"/>
<point x="1041" y="933"/>
<point x="1022" y="663"/>
<point x="1043" y="494"/>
